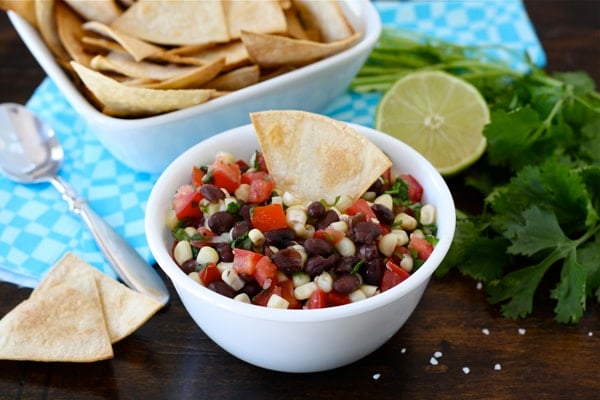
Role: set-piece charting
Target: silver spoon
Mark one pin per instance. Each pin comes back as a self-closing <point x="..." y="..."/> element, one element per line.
<point x="31" y="153"/>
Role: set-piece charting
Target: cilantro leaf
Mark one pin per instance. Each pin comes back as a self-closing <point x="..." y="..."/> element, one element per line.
<point x="588" y="256"/>
<point x="570" y="291"/>
<point x="540" y="231"/>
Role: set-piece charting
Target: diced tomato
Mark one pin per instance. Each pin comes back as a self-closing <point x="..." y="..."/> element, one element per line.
<point x="209" y="274"/>
<point x="197" y="177"/>
<point x="331" y="235"/>
<point x="387" y="179"/>
<point x="421" y="246"/>
<point x="318" y="299"/>
<point x="262" y="298"/>
<point x="266" y="272"/>
<point x="392" y="276"/>
<point x="261" y="186"/>
<point x="226" y="175"/>
<point x="268" y="218"/>
<point x="415" y="190"/>
<point x="186" y="202"/>
<point x="360" y="206"/>
<point x="244" y="261"/>
<point x="287" y="292"/>
<point x="260" y="162"/>
<point x="337" y="299"/>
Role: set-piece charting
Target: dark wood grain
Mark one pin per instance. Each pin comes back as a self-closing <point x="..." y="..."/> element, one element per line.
<point x="170" y="358"/>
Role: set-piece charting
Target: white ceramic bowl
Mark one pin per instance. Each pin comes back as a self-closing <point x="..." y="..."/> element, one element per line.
<point x="297" y="340"/>
<point x="149" y="144"/>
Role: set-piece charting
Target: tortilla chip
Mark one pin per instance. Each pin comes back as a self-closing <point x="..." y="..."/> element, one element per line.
<point x="124" y="309"/>
<point x="66" y="323"/>
<point x="326" y="17"/>
<point x="273" y="50"/>
<point x="139" y="49"/>
<point x="188" y="22"/>
<point x="234" y="52"/>
<point x="24" y="8"/>
<point x="123" y="100"/>
<point x="46" y="22"/>
<point x="105" y="11"/>
<point x="343" y="164"/>
<point x="262" y="16"/>
<point x="237" y="79"/>
<point x="71" y="33"/>
<point x="191" y="79"/>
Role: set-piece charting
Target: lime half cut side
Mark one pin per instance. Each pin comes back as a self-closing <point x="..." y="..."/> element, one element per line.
<point x="439" y="115"/>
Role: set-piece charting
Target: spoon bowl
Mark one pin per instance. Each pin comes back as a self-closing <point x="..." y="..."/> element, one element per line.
<point x="30" y="153"/>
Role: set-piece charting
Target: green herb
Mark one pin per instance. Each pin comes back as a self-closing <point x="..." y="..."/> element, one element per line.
<point x="539" y="180"/>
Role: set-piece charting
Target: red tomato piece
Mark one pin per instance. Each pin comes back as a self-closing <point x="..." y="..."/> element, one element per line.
<point x="392" y="276"/>
<point x="266" y="272"/>
<point x="337" y="299"/>
<point x="244" y="261"/>
<point x="415" y="190"/>
<point x="209" y="274"/>
<point x="287" y="292"/>
<point x="331" y="235"/>
<point x="360" y="206"/>
<point x="260" y="162"/>
<point x="318" y="299"/>
<point x="261" y="186"/>
<point x="197" y="177"/>
<point x="226" y="175"/>
<point x="186" y="202"/>
<point x="421" y="246"/>
<point x="262" y="298"/>
<point x="268" y="218"/>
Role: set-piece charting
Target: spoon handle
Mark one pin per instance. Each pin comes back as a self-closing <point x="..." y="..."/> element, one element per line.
<point x="129" y="265"/>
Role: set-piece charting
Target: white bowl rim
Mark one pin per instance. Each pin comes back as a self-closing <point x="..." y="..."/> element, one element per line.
<point x="182" y="281"/>
<point x="372" y="30"/>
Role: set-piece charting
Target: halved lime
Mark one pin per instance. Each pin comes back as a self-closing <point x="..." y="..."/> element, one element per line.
<point x="439" y="115"/>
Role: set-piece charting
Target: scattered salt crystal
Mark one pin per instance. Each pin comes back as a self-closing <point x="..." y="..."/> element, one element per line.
<point x="590" y="333"/>
<point x="497" y="367"/>
<point x="403" y="350"/>
<point x="433" y="361"/>
<point x="466" y="370"/>
<point x="521" y="331"/>
<point x="485" y="331"/>
<point x="437" y="354"/>
<point x="479" y="286"/>
<point x="376" y="376"/>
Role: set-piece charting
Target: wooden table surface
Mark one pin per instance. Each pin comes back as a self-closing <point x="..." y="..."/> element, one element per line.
<point x="171" y="358"/>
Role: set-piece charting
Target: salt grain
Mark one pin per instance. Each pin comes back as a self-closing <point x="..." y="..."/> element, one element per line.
<point x="403" y="350"/>
<point x="466" y="370"/>
<point x="433" y="361"/>
<point x="497" y="367"/>
<point x="485" y="331"/>
<point x="590" y="333"/>
<point x="437" y="354"/>
<point x="521" y="331"/>
<point x="479" y="286"/>
<point x="376" y="376"/>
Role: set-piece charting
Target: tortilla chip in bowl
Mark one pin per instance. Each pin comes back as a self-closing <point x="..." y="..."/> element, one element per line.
<point x="149" y="140"/>
<point x="300" y="340"/>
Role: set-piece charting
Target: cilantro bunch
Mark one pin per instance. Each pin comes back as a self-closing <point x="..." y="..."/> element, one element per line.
<point x="539" y="180"/>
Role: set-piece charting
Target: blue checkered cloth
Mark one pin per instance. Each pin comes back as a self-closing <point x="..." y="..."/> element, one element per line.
<point x="36" y="226"/>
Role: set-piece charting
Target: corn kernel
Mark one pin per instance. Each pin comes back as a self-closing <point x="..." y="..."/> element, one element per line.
<point x="427" y="215"/>
<point x="304" y="291"/>
<point x="345" y="247"/>
<point x="182" y="252"/>
<point x="276" y="301"/>
<point x="206" y="255"/>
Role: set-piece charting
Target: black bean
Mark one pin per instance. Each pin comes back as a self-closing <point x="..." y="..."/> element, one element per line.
<point x="225" y="252"/>
<point x="384" y="214"/>
<point x="288" y="260"/>
<point x="365" y="232"/>
<point x="222" y="288"/>
<point x="240" y="228"/>
<point x="376" y="186"/>
<point x="315" y="265"/>
<point x="346" y="283"/>
<point x="368" y="251"/>
<point x="346" y="264"/>
<point x="327" y="218"/>
<point x="189" y="266"/>
<point x="316" y="209"/>
<point x="245" y="212"/>
<point x="279" y="238"/>
<point x="372" y="273"/>
<point x="220" y="222"/>
<point x="251" y="288"/>
<point x="211" y="193"/>
<point x="318" y="246"/>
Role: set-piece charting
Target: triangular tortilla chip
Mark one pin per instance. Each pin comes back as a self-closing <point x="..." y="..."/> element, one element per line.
<point x="105" y="11"/>
<point x="70" y="32"/>
<point x="273" y="50"/>
<point x="188" y="22"/>
<point x="138" y="49"/>
<point x="65" y="324"/>
<point x="124" y="309"/>
<point x="263" y="16"/>
<point x="326" y="17"/>
<point x="314" y="157"/>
